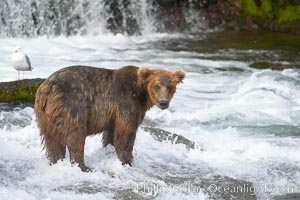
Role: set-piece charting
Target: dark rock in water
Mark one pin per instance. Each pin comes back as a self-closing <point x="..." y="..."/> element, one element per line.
<point x="215" y="186"/>
<point x="21" y="91"/>
<point x="165" y="180"/>
<point x="230" y="69"/>
<point x="129" y="194"/>
<point x="7" y="107"/>
<point x="162" y="135"/>
<point x="8" y="115"/>
<point x="86" y="187"/>
<point x="191" y="181"/>
<point x="273" y="66"/>
<point x="291" y="196"/>
<point x="92" y="188"/>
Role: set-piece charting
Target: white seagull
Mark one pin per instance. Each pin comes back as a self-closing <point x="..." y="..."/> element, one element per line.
<point x="20" y="61"/>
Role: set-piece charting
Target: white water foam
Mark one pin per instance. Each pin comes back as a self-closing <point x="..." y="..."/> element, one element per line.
<point x="233" y="117"/>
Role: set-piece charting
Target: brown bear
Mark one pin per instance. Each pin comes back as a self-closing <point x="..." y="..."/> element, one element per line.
<point x="79" y="101"/>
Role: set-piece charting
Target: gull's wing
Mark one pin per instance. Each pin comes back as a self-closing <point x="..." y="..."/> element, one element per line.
<point x="28" y="62"/>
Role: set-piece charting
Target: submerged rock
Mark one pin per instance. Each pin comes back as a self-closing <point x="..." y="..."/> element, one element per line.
<point x="190" y="183"/>
<point x="292" y="196"/>
<point x="273" y="66"/>
<point x="162" y="136"/>
<point x="129" y="194"/>
<point x="215" y="186"/>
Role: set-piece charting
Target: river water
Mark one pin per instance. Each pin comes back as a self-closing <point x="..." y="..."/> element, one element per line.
<point x="240" y="104"/>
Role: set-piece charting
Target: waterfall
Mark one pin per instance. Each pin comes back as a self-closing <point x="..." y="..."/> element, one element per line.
<point x="31" y="18"/>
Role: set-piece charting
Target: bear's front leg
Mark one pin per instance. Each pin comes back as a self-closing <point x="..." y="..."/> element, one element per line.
<point x="108" y="137"/>
<point x="124" y="145"/>
<point x="124" y="140"/>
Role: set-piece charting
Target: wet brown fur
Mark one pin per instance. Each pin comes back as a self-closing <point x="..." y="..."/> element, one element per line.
<point x="79" y="101"/>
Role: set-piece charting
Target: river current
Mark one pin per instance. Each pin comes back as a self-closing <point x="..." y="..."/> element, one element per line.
<point x="240" y="104"/>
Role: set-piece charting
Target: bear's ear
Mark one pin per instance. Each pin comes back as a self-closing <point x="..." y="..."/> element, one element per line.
<point x="179" y="76"/>
<point x="143" y="73"/>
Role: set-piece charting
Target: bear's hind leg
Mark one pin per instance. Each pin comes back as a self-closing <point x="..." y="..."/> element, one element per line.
<point x="56" y="150"/>
<point x="76" y="150"/>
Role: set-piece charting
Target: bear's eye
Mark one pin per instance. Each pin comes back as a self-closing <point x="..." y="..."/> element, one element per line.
<point x="170" y="88"/>
<point x="157" y="87"/>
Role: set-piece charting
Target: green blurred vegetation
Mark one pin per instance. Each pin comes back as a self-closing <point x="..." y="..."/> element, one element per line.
<point x="22" y="91"/>
<point x="279" y="11"/>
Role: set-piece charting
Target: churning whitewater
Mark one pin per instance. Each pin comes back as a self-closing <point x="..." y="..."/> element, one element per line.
<point x="239" y="106"/>
<point x="244" y="121"/>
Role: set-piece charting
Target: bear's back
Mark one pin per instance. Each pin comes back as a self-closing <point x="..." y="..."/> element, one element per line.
<point x="79" y="79"/>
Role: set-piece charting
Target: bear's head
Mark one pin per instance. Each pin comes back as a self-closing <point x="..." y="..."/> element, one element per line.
<point x="160" y="85"/>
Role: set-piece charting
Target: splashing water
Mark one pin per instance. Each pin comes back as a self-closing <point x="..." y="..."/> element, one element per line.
<point x="244" y="120"/>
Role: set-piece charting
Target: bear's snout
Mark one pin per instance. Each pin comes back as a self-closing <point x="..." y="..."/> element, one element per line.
<point x="163" y="104"/>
